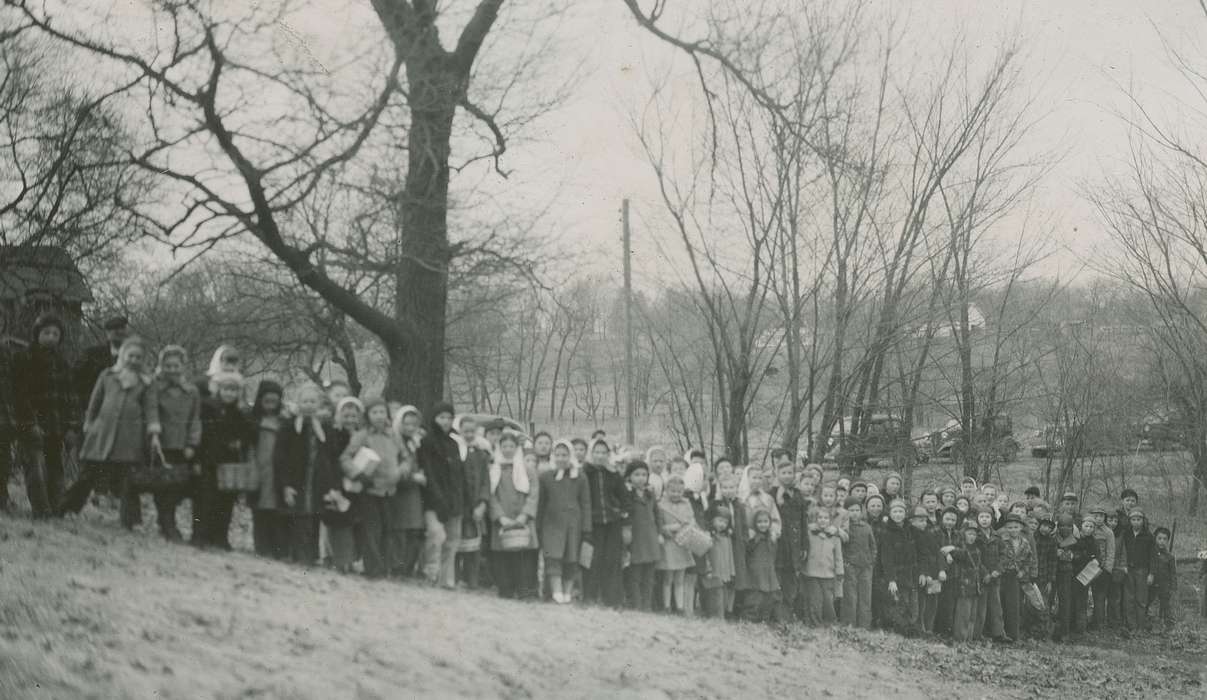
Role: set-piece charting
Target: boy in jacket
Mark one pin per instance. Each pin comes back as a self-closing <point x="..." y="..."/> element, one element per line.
<point x="792" y="549"/>
<point x="1165" y="576"/>
<point x="859" y="558"/>
<point x="1072" y="555"/>
<point x="1141" y="561"/>
<point x="930" y="568"/>
<point x="443" y="497"/>
<point x="1017" y="563"/>
<point x="899" y="564"/>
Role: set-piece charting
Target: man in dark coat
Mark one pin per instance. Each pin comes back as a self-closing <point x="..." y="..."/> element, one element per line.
<point x="46" y="411"/>
<point x="792" y="549"/>
<point x="98" y="358"/>
<point x="439" y="458"/>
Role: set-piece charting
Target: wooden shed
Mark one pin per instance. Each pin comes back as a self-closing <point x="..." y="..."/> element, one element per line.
<point x="37" y="279"/>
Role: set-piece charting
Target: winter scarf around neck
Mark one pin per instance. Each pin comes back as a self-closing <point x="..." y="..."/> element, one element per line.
<point x="519" y="474"/>
<point x="574" y="466"/>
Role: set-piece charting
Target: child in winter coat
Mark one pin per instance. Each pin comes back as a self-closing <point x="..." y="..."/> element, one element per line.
<point x="1017" y="564"/>
<point x="859" y="558"/>
<point x="930" y="573"/>
<point x="443" y="496"/>
<point x="899" y="563"/>
<point x="965" y="580"/>
<point x="989" y="605"/>
<point x="792" y="548"/>
<point x="1165" y="576"/>
<point x="115" y="427"/>
<point x="604" y="581"/>
<point x="645" y="550"/>
<point x="407" y="502"/>
<point x="760" y="600"/>
<point x="306" y="471"/>
<point x="477" y="453"/>
<point x="224" y="440"/>
<point x="757" y="498"/>
<point x="372" y="463"/>
<point x="675" y="513"/>
<point x="563" y="520"/>
<point x="514" y="502"/>
<point x="1073" y="553"/>
<point x="44" y="402"/>
<point x="949" y="536"/>
<point x="270" y="526"/>
<point x="717" y="584"/>
<point x="823" y="567"/>
<point x="174" y="412"/>
<point x="1141" y="560"/>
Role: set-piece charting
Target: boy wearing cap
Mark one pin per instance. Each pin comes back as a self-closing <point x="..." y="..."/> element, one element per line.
<point x="931" y="574"/>
<point x="1072" y="555"/>
<point x="1141" y="561"/>
<point x="1017" y="562"/>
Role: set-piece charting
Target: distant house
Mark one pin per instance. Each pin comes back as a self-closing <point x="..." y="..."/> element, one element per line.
<point x="37" y="279"/>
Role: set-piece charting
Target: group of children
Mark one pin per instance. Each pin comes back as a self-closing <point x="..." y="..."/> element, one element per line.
<point x="383" y="488"/>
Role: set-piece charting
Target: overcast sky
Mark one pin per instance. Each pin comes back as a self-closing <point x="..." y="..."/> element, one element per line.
<point x="584" y="159"/>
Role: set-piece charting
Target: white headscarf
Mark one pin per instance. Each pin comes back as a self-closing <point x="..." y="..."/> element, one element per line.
<point x="519" y="472"/>
<point x="574" y="466"/>
<point x="401" y="413"/>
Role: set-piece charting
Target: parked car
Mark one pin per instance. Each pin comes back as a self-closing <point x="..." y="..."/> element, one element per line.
<point x="995" y="437"/>
<point x="884" y="442"/>
<point x="1161" y="432"/>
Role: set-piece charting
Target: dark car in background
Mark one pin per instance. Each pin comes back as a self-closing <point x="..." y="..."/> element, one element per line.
<point x="883" y="442"/>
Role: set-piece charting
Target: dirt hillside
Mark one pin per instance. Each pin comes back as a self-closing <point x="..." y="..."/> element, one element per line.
<point x="89" y="611"/>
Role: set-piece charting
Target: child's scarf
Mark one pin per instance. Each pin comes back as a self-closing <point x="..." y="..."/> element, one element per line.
<point x="574" y="466"/>
<point x="126" y="377"/>
<point x="519" y="473"/>
<point x="300" y="422"/>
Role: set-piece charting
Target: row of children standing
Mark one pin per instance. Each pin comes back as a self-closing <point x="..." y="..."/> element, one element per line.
<point x="660" y="533"/>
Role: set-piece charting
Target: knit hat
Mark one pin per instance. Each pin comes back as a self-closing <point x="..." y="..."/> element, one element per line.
<point x="1098" y="508"/>
<point x="852" y="501"/>
<point x="920" y="512"/>
<point x="634" y="465"/>
<point x="1134" y="512"/>
<point x="1015" y="518"/>
<point x="442" y="407"/>
<point x="970" y="524"/>
<point x="873" y="497"/>
<point x="719" y="511"/>
<point x="950" y="509"/>
<point x="45" y="321"/>
<point x="859" y="484"/>
<point x="897" y="503"/>
<point x="1032" y="491"/>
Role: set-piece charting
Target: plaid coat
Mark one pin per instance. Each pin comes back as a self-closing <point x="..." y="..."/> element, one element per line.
<point x="45" y="392"/>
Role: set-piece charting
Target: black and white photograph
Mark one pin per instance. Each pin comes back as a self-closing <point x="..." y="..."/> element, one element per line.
<point x="737" y="349"/>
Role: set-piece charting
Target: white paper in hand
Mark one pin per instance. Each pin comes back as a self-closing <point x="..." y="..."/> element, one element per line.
<point x="364" y="462"/>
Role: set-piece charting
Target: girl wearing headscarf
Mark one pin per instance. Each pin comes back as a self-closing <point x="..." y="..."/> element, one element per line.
<point x="378" y="479"/>
<point x="225" y="359"/>
<point x="174" y="416"/>
<point x="115" y="427"/>
<point x="563" y="519"/>
<point x="270" y="527"/>
<point x="407" y="501"/>
<point x="514" y="503"/>
<point x="307" y="475"/>
<point x="603" y="582"/>
<point x="477" y="454"/>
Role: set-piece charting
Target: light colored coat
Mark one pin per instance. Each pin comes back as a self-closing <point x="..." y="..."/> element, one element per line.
<point x="825" y="555"/>
<point x="115" y="422"/>
<point x="506" y="501"/>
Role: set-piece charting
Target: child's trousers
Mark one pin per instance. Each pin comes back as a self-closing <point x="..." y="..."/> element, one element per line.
<point x="716" y="600"/>
<point x="819" y="594"/>
<point x="639" y="585"/>
<point x="408" y="548"/>
<point x="857" y="596"/>
<point x="1070" y="606"/>
<point x="604" y="582"/>
<point x="989" y="611"/>
<point x="440" y="549"/>
<point x="303" y="539"/>
<point x="945" y="616"/>
<point x="1164" y="593"/>
<point x="270" y="533"/>
<point x="1011" y="595"/>
<point x="1101" y="588"/>
<point x="963" y="619"/>
<point x="469" y="569"/>
<point x="1135" y="592"/>
<point x="342" y="540"/>
<point x="377" y="528"/>
<point x="791" y="596"/>
<point x="928" y="609"/>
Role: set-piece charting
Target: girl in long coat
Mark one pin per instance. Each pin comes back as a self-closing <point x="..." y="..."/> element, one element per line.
<point x="514" y="503"/>
<point x="563" y="519"/>
<point x="114" y="432"/>
<point x="224" y="440"/>
<point x="270" y="526"/>
<point x="407" y="501"/>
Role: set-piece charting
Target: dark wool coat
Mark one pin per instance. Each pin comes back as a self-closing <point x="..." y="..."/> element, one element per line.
<point x="645" y="519"/>
<point x="793" y="547"/>
<point x="225" y="433"/>
<point x="45" y="394"/>
<point x="88" y="369"/>
<point x="609" y="496"/>
<point x="741" y="536"/>
<point x="965" y="573"/>
<point x="440" y="460"/>
<point x="477" y="488"/>
<point x="760" y="564"/>
<point x="898" y="555"/>
<point x="8" y="409"/>
<point x="926" y="550"/>
<point x="860" y="549"/>
<point x="1140" y="547"/>
<point x="310" y="472"/>
<point x="563" y="514"/>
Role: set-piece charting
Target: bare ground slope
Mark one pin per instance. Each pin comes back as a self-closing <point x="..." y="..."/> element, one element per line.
<point x="89" y="611"/>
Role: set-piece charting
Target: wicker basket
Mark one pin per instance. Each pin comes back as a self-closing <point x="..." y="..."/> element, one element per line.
<point x="515" y="538"/>
<point x="697" y="541"/>
<point x="238" y="476"/>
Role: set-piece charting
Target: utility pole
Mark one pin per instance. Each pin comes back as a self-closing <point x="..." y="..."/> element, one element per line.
<point x="628" y="323"/>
